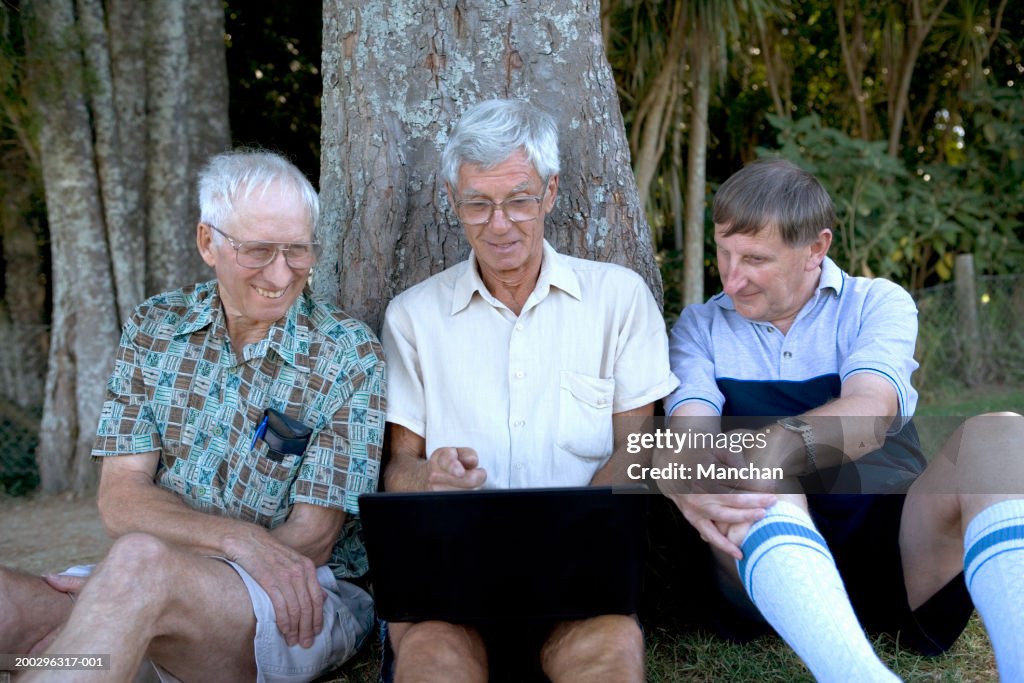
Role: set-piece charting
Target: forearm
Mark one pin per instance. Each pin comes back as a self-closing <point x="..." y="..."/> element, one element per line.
<point x="406" y="468"/>
<point x="405" y="473"/>
<point x="851" y="425"/>
<point x="143" y="507"/>
<point x="844" y="430"/>
<point x="697" y="425"/>
<point x="311" y="530"/>
<point x="616" y="470"/>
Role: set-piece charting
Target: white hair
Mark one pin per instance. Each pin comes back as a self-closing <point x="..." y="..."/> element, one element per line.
<point x="491" y="131"/>
<point x="236" y="175"/>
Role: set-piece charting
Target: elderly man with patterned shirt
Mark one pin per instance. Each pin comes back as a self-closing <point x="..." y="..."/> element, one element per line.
<point x="242" y="421"/>
<point x="506" y="371"/>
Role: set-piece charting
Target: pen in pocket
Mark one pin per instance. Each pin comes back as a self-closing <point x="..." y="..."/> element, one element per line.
<point x="261" y="429"/>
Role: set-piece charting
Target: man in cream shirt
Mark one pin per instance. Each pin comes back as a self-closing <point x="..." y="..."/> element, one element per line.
<point x="506" y="372"/>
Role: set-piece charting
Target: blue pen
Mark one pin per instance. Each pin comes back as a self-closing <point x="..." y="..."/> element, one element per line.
<point x="261" y="429"/>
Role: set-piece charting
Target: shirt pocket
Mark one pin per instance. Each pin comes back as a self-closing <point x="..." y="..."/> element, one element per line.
<point x="585" y="415"/>
<point x="259" y="485"/>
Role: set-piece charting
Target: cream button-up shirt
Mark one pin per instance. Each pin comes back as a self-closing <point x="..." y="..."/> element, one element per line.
<point x="533" y="394"/>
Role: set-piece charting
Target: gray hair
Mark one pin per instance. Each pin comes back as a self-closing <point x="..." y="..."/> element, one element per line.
<point x="233" y="176"/>
<point x="491" y="131"/>
<point x="774" y="192"/>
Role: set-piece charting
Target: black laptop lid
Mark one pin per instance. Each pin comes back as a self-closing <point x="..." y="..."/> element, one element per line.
<point x="481" y="556"/>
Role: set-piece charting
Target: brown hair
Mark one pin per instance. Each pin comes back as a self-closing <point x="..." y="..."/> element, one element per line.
<point x="775" y="192"/>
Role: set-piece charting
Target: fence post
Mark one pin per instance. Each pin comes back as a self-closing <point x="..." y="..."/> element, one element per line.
<point x="967" y="311"/>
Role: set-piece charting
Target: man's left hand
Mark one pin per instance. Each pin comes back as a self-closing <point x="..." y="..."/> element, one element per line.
<point x="289" y="578"/>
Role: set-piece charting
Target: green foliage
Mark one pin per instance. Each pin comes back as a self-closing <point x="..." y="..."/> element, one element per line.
<point x="907" y="225"/>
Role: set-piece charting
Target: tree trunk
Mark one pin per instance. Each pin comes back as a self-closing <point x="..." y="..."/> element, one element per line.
<point x="397" y="77"/>
<point x="653" y="118"/>
<point x="23" y="304"/>
<point x="118" y="146"/>
<point x="852" y="51"/>
<point x="917" y="30"/>
<point x="696" y="180"/>
<point x="22" y="322"/>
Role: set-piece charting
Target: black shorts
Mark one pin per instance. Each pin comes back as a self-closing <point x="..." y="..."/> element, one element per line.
<point x="861" y="530"/>
<point x="863" y="533"/>
<point x="513" y="651"/>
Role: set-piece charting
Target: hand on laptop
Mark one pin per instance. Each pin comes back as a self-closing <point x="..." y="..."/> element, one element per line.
<point x="450" y="468"/>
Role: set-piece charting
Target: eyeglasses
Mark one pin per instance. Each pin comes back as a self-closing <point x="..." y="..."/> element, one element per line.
<point x="516" y="209"/>
<point x="252" y="254"/>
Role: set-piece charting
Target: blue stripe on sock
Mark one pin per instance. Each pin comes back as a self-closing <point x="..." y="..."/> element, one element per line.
<point x="1008" y="533"/>
<point x="743" y="577"/>
<point x="771" y="530"/>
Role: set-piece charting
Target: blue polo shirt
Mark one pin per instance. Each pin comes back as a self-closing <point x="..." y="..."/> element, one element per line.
<point x="743" y="367"/>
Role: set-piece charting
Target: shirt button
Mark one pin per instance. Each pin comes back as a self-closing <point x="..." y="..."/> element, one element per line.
<point x="519" y="423"/>
<point x="520" y="374"/>
<point x="217" y="430"/>
<point x="602" y="402"/>
<point x="519" y="327"/>
<point x="787" y="354"/>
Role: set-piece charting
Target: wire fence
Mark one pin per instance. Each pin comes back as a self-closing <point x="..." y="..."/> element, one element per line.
<point x="23" y="357"/>
<point x="967" y="338"/>
<point x="970" y="335"/>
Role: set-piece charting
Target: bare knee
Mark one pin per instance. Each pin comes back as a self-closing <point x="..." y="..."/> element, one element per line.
<point x="981" y="452"/>
<point x="609" y="647"/>
<point x="437" y="650"/>
<point x="139" y="551"/>
<point x="136" y="564"/>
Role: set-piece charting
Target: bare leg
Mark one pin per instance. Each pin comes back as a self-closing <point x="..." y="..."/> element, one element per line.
<point x="605" y="648"/>
<point x="31" y="612"/>
<point x="190" y="614"/>
<point x="969" y="498"/>
<point x="977" y="467"/>
<point x="437" y="651"/>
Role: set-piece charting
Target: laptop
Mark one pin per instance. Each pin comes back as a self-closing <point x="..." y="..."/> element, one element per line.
<point x="503" y="555"/>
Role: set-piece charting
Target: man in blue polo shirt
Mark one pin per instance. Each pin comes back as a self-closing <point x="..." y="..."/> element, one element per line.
<point x="829" y="356"/>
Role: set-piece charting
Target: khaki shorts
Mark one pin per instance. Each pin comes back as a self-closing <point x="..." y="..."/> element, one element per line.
<point x="348" y="619"/>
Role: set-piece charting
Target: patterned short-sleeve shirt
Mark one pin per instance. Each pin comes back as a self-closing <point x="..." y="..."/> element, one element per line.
<point x="180" y="388"/>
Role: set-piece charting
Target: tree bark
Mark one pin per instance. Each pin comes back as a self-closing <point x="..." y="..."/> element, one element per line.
<point x="696" y="179"/>
<point x="22" y="324"/>
<point x="116" y="141"/>
<point x="84" y="314"/>
<point x="395" y="79"/>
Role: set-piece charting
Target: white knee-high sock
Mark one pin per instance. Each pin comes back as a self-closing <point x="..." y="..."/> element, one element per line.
<point x="994" y="573"/>
<point x="790" y="575"/>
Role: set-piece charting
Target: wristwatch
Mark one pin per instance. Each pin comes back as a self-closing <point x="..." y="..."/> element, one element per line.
<point x="795" y="424"/>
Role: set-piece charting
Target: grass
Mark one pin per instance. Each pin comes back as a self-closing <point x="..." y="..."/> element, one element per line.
<point x="695" y="656"/>
<point x="967" y="402"/>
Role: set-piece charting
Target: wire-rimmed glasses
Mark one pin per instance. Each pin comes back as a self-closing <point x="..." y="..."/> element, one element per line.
<point x="256" y="254"/>
<point x="516" y="209"/>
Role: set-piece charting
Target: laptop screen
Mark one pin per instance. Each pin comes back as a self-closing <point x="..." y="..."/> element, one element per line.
<point x="499" y="555"/>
